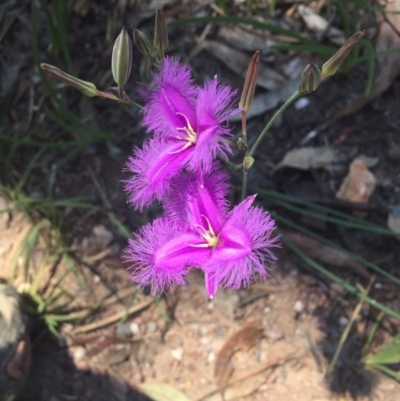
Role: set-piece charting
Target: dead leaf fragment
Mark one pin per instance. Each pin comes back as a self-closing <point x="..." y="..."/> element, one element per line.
<point x="317" y="23"/>
<point x="238" y="62"/>
<point x="308" y="157"/>
<point x="358" y="185"/>
<point x="249" y="40"/>
<point x="245" y="338"/>
<point x="326" y="254"/>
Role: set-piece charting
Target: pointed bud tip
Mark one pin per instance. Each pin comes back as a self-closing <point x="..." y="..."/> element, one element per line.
<point x="249" y="87"/>
<point x="333" y="64"/>
<point x="161" y="41"/>
<point x="310" y="79"/>
<point x="87" y="88"/>
<point x="121" y="62"/>
<point x="142" y="42"/>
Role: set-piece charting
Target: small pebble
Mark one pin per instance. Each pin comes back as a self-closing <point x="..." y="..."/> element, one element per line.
<point x="78" y="353"/>
<point x="211" y="357"/>
<point x="302" y="103"/>
<point x="298" y="306"/>
<point x="267" y="309"/>
<point x="134" y="328"/>
<point x="300" y="333"/>
<point x="177" y="354"/>
<point x="343" y="321"/>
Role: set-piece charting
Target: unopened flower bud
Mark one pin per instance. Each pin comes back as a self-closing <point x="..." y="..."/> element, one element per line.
<point x="87" y="88"/>
<point x="310" y="79"/>
<point x="249" y="87"/>
<point x="247" y="162"/>
<point x="142" y="42"/>
<point x="161" y="32"/>
<point x="332" y="65"/>
<point x="121" y="62"/>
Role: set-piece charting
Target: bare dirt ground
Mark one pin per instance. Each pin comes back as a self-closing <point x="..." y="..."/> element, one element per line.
<point x="272" y="341"/>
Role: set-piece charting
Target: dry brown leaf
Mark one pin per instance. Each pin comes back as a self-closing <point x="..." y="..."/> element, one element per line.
<point x="307" y="157"/>
<point x="245" y="338"/>
<point x="326" y="254"/>
<point x="317" y="23"/>
<point x="358" y="185"/>
<point x="238" y="62"/>
<point x="249" y="40"/>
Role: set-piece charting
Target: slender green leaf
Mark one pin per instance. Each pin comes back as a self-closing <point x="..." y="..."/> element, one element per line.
<point x="333" y="277"/>
<point x="389" y="354"/>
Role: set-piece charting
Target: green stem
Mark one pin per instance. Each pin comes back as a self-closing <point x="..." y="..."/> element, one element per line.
<point x="273" y="119"/>
<point x="244" y="185"/>
<point x="263" y="133"/>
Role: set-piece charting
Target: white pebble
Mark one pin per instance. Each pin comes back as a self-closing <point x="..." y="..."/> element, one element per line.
<point x="177" y="354"/>
<point x="134" y="328"/>
<point x="78" y="353"/>
<point x="302" y="103"/>
<point x="298" y="307"/>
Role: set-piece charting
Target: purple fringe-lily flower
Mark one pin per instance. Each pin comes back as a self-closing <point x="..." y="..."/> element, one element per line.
<point x="189" y="127"/>
<point x="198" y="231"/>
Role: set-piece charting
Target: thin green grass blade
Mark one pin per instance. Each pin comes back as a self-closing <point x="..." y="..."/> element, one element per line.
<point x="388" y="371"/>
<point x="75" y="272"/>
<point x="333" y="277"/>
<point x="371" y="64"/>
<point x="38" y="275"/>
<point x="123" y="230"/>
<point x="342" y="219"/>
<point x="31" y="239"/>
<point x="28" y="170"/>
<point x="371" y="335"/>
<point x="310" y="233"/>
<point x="342" y="12"/>
<point x="162" y="310"/>
<point x="130" y="303"/>
<point x="62" y="108"/>
<point x="316" y="48"/>
<point x="242" y="20"/>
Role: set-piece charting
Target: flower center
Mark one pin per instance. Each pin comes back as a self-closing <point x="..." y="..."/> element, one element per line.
<point x="191" y="135"/>
<point x="208" y="235"/>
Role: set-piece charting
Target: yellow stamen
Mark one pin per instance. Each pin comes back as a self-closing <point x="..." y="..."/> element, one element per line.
<point x="191" y="137"/>
<point x="209" y="236"/>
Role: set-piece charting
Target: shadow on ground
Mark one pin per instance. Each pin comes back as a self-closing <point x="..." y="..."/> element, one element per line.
<point x="54" y="377"/>
<point x="349" y="376"/>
